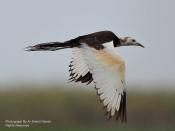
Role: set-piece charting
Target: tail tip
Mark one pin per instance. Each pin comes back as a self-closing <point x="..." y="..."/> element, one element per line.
<point x="30" y="48"/>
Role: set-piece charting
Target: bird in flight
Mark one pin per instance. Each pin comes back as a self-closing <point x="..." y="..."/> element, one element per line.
<point x="96" y="60"/>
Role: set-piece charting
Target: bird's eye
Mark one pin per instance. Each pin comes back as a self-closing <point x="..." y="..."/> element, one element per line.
<point x="133" y="40"/>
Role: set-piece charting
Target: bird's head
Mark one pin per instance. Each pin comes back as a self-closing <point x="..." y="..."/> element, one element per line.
<point x="128" y="41"/>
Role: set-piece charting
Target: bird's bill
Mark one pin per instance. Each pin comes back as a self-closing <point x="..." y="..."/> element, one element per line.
<point x="138" y="44"/>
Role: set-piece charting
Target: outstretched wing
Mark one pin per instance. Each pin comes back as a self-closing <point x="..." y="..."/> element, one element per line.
<point x="107" y="70"/>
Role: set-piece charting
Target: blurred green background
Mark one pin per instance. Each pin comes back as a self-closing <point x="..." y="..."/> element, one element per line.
<point x="76" y="108"/>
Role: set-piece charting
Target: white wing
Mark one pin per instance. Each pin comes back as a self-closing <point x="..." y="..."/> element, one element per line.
<point x="107" y="69"/>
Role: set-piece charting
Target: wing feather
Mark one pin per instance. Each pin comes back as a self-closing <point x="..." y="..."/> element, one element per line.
<point x="108" y="70"/>
<point x="79" y="71"/>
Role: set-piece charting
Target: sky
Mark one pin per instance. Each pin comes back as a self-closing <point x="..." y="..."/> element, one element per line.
<point x="24" y="23"/>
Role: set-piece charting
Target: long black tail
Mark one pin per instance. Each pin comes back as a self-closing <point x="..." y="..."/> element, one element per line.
<point x="52" y="46"/>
